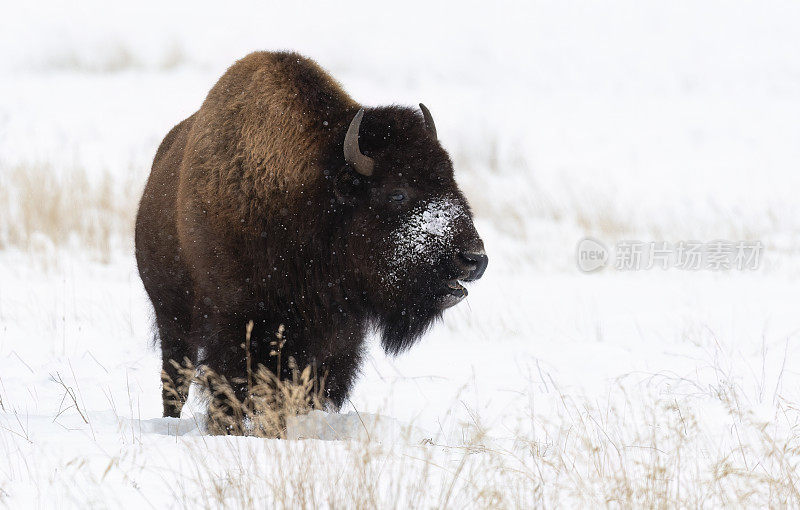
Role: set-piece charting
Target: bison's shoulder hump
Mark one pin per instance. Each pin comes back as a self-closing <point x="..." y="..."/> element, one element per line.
<point x="280" y="83"/>
<point x="266" y="129"/>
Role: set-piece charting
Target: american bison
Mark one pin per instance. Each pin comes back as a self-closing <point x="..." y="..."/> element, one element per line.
<point x="284" y="202"/>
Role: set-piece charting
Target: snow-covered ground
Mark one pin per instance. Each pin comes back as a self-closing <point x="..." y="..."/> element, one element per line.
<point x="650" y="121"/>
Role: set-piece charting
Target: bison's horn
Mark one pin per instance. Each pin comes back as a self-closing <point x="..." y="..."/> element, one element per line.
<point x="352" y="154"/>
<point x="428" y="119"/>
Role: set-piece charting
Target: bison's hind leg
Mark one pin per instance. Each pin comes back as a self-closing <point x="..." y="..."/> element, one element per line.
<point x="174" y="322"/>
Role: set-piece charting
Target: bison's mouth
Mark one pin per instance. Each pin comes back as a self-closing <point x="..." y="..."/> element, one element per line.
<point x="451" y="294"/>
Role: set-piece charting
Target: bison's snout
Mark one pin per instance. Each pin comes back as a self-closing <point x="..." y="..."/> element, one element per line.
<point x="474" y="262"/>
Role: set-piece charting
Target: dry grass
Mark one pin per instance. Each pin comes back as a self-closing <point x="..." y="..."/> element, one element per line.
<point x="269" y="401"/>
<point x="690" y="446"/>
<point x="41" y="211"/>
<point x="113" y="57"/>
<point x="545" y="216"/>
<point x="633" y="454"/>
<point x="656" y="449"/>
<point x="671" y="443"/>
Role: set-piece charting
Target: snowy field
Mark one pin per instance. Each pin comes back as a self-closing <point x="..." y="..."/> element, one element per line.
<point x="548" y="387"/>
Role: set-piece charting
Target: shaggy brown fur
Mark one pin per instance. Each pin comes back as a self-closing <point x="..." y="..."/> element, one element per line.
<point x="252" y="213"/>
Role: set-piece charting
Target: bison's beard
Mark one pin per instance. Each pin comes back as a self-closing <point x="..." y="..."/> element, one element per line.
<point x="402" y="327"/>
<point x="414" y="301"/>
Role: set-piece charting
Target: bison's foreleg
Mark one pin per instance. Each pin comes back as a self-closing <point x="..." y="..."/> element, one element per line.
<point x="225" y="378"/>
<point x="339" y="374"/>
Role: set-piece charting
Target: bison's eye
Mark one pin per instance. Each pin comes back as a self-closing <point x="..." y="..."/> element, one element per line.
<point x="397" y="196"/>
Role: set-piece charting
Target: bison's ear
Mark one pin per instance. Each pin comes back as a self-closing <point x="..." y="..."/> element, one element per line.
<point x="348" y="185"/>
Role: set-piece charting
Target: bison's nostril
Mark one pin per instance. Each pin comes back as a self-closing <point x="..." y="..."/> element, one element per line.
<point x="477" y="263"/>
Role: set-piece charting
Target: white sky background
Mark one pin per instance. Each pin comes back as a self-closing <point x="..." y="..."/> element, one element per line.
<point x="655" y="101"/>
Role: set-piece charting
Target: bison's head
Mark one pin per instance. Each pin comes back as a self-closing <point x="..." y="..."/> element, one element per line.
<point x="411" y="234"/>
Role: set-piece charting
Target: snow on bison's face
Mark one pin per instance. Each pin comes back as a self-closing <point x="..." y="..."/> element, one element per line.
<point x="413" y="232"/>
